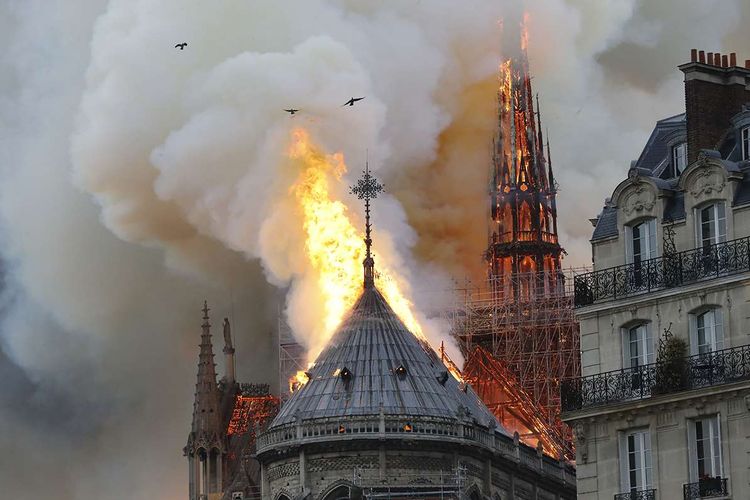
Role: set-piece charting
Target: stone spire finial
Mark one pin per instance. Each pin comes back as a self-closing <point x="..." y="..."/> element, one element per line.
<point x="367" y="188"/>
<point x="206" y="405"/>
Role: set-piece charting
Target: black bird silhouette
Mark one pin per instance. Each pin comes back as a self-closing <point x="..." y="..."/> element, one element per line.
<point x="351" y="101"/>
<point x="181" y="46"/>
<point x="291" y="111"/>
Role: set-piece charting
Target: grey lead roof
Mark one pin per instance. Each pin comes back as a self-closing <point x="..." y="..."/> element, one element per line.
<point x="372" y="343"/>
<point x="606" y="224"/>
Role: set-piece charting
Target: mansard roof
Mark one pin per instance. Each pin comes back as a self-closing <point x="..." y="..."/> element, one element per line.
<point x="373" y="363"/>
<point x="655" y="157"/>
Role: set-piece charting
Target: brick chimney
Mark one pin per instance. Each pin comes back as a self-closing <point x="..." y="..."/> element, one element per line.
<point x="715" y="90"/>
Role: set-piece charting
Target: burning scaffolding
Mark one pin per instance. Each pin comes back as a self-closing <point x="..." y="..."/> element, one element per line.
<point x="518" y="328"/>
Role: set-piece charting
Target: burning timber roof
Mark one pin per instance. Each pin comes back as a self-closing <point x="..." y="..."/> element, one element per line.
<point x="374" y="363"/>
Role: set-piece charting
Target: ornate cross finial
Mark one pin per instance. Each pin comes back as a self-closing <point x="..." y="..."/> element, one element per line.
<point x="367" y="188"/>
<point x="205" y="310"/>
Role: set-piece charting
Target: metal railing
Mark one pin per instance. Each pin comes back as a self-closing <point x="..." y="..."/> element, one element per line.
<point x="708" y="487"/>
<point x="637" y="495"/>
<point x="680" y="268"/>
<point x="701" y="370"/>
<point x="510" y="236"/>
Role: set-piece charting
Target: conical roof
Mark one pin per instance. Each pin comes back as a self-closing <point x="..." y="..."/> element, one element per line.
<point x="372" y="364"/>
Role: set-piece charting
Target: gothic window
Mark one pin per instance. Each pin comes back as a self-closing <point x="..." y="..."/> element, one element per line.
<point x="635" y="461"/>
<point x="506" y="222"/>
<point x="679" y="158"/>
<point x="524" y="218"/>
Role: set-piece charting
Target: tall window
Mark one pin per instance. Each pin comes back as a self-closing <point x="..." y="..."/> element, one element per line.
<point x="679" y="158"/>
<point x="705" y="448"/>
<point x="746" y="143"/>
<point x="642" y="241"/>
<point x="706" y="332"/>
<point x="638" y="348"/>
<point x="712" y="225"/>
<point x="635" y="460"/>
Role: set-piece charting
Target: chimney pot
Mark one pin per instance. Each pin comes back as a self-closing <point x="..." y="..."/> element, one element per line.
<point x="733" y="59"/>
<point x="710" y="58"/>
<point x="717" y="59"/>
<point x="747" y="63"/>
<point x="693" y="55"/>
<point x="724" y="61"/>
<point x="702" y="56"/>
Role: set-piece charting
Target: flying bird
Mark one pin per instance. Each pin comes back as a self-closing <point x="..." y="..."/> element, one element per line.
<point x="181" y="46"/>
<point x="351" y="101"/>
<point x="291" y="111"/>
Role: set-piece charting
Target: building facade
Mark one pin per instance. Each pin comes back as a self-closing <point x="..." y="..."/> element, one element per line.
<point x="662" y="410"/>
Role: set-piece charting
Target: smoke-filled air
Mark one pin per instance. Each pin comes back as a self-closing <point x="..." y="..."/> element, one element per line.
<point x="138" y="179"/>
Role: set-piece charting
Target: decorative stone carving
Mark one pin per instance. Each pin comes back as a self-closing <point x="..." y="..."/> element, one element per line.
<point x="706" y="181"/>
<point x="639" y="199"/>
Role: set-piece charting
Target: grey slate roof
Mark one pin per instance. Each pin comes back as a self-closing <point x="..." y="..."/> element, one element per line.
<point x="606" y="226"/>
<point x="655" y="155"/>
<point x="372" y="343"/>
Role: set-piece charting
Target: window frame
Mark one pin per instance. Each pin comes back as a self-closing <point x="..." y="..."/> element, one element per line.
<point x="712" y="424"/>
<point x="679" y="152"/>
<point x="652" y="247"/>
<point x="642" y="452"/>
<point x="645" y="345"/>
<point x="717" y="224"/>
<point x="715" y="330"/>
<point x="745" y="142"/>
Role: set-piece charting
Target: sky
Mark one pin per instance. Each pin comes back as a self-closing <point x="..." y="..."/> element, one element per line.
<point x="137" y="180"/>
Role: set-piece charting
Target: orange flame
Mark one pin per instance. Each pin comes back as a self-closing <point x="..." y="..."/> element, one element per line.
<point x="333" y="246"/>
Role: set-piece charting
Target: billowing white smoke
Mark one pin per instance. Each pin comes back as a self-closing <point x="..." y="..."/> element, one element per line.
<point x="180" y="151"/>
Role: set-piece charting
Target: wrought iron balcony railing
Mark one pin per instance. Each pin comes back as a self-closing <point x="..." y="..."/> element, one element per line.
<point x="680" y="268"/>
<point x="637" y="495"/>
<point x="709" y="487"/>
<point x="701" y="370"/>
<point x="510" y="237"/>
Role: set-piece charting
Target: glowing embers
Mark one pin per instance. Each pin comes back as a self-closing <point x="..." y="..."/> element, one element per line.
<point x="408" y="427"/>
<point x="251" y="412"/>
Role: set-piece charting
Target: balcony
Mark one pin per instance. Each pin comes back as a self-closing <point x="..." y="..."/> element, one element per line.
<point x="708" y="487"/>
<point x="681" y="268"/>
<point x="702" y="370"/>
<point x="637" y="495"/>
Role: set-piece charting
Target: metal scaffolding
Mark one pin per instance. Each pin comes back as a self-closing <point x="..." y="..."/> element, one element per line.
<point x="534" y="336"/>
<point x="292" y="357"/>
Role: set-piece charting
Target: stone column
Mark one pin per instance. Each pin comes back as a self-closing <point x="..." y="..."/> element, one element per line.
<point x="204" y="474"/>
<point x="191" y="476"/>
<point x="303" y="470"/>
<point x="219" y="472"/>
<point x="488" y="478"/>
<point x="265" y="484"/>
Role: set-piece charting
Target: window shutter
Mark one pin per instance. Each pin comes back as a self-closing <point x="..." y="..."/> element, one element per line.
<point x="628" y="245"/>
<point x="693" y="334"/>
<point x="692" y="453"/>
<point x="718" y="328"/>
<point x="652" y="239"/>
<point x="721" y="455"/>
<point x="625" y="336"/>
<point x="721" y="223"/>
<point x="647" y="464"/>
<point x="649" y="342"/>
<point x="623" y="446"/>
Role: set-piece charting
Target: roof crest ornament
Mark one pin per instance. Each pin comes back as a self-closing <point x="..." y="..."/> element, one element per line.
<point x="367" y="188"/>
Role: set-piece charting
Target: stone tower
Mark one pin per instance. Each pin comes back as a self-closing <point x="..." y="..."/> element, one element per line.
<point x="206" y="441"/>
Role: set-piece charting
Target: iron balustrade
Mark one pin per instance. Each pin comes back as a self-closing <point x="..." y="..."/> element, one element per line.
<point x="707" y="487"/>
<point x="680" y="268"/>
<point x="701" y="370"/>
<point x="637" y="495"/>
<point x="511" y="237"/>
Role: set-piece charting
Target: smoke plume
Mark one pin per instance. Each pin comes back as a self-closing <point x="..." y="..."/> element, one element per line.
<point x="139" y="179"/>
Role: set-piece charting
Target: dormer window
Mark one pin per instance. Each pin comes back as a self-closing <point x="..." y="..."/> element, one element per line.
<point x="746" y="143"/>
<point x="679" y="158"/>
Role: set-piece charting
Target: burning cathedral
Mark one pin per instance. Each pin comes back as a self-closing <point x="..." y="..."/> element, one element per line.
<point x="381" y="414"/>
